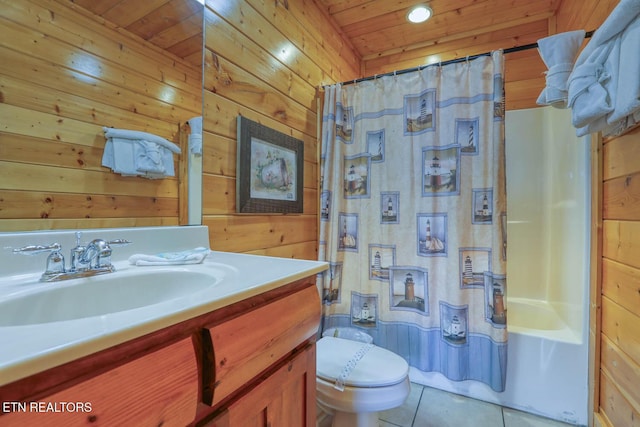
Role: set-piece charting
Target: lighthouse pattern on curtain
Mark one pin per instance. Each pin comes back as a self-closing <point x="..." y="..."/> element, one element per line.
<point x="412" y="207"/>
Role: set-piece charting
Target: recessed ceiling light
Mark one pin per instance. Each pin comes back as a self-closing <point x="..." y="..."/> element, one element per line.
<point x="419" y="14"/>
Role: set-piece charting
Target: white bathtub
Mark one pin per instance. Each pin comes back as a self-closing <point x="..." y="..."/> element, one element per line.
<point x="547" y="271"/>
<point x="537" y="318"/>
<point x="547" y="362"/>
<point x="546" y="366"/>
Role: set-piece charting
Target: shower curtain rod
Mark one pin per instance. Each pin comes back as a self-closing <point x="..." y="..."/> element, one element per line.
<point x="587" y="35"/>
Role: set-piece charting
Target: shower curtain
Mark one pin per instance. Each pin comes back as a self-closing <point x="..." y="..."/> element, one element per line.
<point x="413" y="216"/>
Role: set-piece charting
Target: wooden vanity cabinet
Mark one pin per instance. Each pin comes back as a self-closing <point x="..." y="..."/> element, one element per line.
<point x="260" y="341"/>
<point x="250" y="363"/>
<point x="160" y="388"/>
<point x="284" y="398"/>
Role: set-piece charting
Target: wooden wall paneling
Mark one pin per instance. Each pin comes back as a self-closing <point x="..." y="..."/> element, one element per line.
<point x="573" y="15"/>
<point x="238" y="85"/>
<point x="220" y="116"/>
<point x="621" y="242"/>
<point x="59" y="205"/>
<point x="104" y="45"/>
<point x="308" y="29"/>
<point x="523" y="93"/>
<point x="32" y="177"/>
<point x="245" y="233"/>
<point x="220" y="158"/>
<point x="301" y="54"/>
<point x="80" y="223"/>
<point x="595" y="278"/>
<point x="621" y="156"/>
<point x="455" y="46"/>
<point x="617" y="410"/>
<point x="74" y="102"/>
<point x="290" y="77"/>
<point x="621" y="283"/>
<point x="622" y="371"/>
<point x="622" y="198"/>
<point x="304" y="250"/>
<point x="183" y="176"/>
<point x="264" y="62"/>
<point x="219" y="194"/>
<point x="619" y="401"/>
<point x="524" y="65"/>
<point x="586" y="15"/>
<point x="66" y="73"/>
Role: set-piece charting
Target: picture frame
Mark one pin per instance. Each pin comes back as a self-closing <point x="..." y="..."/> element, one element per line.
<point x="270" y="170"/>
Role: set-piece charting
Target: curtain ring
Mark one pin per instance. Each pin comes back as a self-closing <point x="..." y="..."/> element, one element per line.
<point x="394" y="73"/>
<point x="467" y="60"/>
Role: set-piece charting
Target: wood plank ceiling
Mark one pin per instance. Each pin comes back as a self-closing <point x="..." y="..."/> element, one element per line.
<point x="380" y="33"/>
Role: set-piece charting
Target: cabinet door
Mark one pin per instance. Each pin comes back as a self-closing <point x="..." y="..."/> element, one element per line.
<point x="285" y="398"/>
<point x="160" y="388"/>
<point x="249" y="344"/>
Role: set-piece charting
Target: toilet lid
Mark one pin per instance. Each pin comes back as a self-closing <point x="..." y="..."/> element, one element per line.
<point x="376" y="368"/>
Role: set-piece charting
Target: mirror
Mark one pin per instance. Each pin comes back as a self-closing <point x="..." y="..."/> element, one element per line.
<point x="71" y="67"/>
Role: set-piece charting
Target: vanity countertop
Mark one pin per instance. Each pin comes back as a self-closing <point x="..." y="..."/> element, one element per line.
<point x="31" y="348"/>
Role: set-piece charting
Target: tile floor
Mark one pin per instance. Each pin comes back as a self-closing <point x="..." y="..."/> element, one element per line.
<point x="429" y="407"/>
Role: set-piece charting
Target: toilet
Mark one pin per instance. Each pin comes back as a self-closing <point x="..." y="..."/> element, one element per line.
<point x="356" y="379"/>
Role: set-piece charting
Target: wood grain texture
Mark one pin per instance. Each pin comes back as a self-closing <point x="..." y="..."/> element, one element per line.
<point x="279" y="399"/>
<point x="65" y="74"/>
<point x="254" y="341"/>
<point x="264" y="61"/>
<point x="163" y="385"/>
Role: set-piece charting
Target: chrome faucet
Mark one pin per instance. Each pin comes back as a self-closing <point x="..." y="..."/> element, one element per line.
<point x="96" y="254"/>
<point x="86" y="261"/>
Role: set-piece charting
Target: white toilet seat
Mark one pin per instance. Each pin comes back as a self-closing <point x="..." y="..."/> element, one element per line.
<point x="378" y="380"/>
<point x="377" y="368"/>
<point x="361" y="399"/>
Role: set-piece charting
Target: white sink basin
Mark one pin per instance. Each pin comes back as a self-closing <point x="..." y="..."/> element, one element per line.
<point x="100" y="295"/>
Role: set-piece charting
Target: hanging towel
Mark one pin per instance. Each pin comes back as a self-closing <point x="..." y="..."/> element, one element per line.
<point x="628" y="86"/>
<point x="193" y="256"/>
<point x="195" y="137"/>
<point x="137" y="135"/>
<point x="148" y="157"/>
<point x="558" y="53"/>
<point x="134" y="153"/>
<point x="603" y="86"/>
<point x="119" y="156"/>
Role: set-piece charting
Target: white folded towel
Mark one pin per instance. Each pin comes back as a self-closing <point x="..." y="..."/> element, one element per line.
<point x="119" y="156"/>
<point x="137" y="135"/>
<point x="604" y="89"/>
<point x="627" y="100"/>
<point x="193" y="256"/>
<point x="148" y="157"/>
<point x="128" y="153"/>
<point x="195" y="137"/>
<point x="558" y="52"/>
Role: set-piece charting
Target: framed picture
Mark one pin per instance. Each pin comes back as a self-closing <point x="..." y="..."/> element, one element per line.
<point x="269" y="170"/>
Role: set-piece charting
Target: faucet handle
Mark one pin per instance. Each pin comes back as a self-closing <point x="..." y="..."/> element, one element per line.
<point x="119" y="242"/>
<point x="37" y="249"/>
<point x="55" y="261"/>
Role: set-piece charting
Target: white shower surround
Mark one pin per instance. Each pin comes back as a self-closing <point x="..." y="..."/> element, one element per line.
<point x="548" y="271"/>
